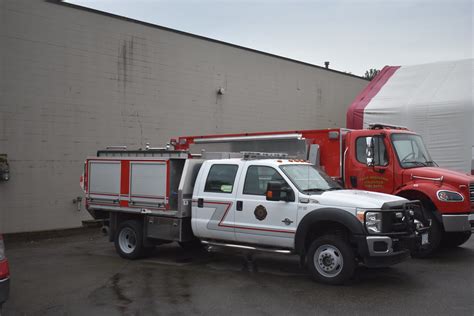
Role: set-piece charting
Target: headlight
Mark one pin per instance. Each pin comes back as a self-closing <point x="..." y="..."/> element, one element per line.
<point x="449" y="196"/>
<point x="372" y="220"/>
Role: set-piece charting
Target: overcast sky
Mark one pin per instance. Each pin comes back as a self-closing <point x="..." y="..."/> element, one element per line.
<point x="354" y="35"/>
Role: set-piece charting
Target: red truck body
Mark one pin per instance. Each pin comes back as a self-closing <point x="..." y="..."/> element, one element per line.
<point x="4" y="275"/>
<point x="401" y="166"/>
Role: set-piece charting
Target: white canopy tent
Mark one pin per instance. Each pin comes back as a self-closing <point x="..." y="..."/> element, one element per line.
<point x="434" y="100"/>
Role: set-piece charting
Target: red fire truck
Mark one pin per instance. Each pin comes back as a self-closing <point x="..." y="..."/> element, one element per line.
<point x="383" y="158"/>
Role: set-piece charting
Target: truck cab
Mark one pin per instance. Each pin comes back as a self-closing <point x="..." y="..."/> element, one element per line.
<point x="289" y="205"/>
<point x="394" y="160"/>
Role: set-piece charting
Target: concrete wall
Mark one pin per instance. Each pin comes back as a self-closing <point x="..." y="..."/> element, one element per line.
<point x="73" y="81"/>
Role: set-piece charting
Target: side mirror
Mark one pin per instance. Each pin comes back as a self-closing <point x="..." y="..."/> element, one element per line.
<point x="275" y="192"/>
<point x="369" y="151"/>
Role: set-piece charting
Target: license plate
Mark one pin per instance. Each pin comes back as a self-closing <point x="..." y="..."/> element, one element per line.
<point x="424" y="239"/>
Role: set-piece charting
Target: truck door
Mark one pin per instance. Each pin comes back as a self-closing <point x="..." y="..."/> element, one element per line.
<point x="257" y="220"/>
<point x="214" y="200"/>
<point x="358" y="175"/>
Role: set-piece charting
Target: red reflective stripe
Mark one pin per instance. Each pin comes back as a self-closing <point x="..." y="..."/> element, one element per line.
<point x="4" y="269"/>
<point x="168" y="184"/>
<point x="229" y="204"/>
<point x="124" y="181"/>
<point x="355" y="113"/>
<point x="86" y="177"/>
<point x="125" y="177"/>
<point x="102" y="204"/>
<point x="104" y="194"/>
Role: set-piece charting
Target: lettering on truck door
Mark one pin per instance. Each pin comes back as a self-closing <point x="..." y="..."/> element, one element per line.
<point x="214" y="203"/>
<point x="257" y="220"/>
<point x="379" y="177"/>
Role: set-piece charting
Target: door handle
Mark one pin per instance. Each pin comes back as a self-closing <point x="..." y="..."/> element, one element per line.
<point x="379" y="170"/>
<point x="239" y="206"/>
<point x="200" y="202"/>
<point x="287" y="221"/>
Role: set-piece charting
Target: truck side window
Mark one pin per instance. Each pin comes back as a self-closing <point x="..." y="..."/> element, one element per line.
<point x="221" y="178"/>
<point x="257" y="179"/>
<point x="380" y="152"/>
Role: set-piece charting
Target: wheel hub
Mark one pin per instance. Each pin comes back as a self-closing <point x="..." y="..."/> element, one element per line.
<point x="127" y="240"/>
<point x="328" y="260"/>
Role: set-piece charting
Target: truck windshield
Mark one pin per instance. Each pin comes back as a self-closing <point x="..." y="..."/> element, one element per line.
<point x="411" y="151"/>
<point x="309" y="179"/>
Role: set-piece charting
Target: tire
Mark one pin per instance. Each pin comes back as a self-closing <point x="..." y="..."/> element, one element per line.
<point x="129" y="240"/>
<point x="434" y="237"/>
<point x="331" y="260"/>
<point x="454" y="239"/>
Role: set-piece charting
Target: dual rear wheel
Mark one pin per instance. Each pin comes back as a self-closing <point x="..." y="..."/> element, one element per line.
<point x="129" y="241"/>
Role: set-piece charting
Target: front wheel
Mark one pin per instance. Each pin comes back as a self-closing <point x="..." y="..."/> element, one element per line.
<point x="454" y="239"/>
<point x="434" y="238"/>
<point x="331" y="260"/>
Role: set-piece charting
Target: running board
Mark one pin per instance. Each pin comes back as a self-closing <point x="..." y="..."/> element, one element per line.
<point x="218" y="244"/>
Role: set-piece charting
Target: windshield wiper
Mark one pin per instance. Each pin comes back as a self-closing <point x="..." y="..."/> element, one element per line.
<point x="314" y="189"/>
<point x="419" y="163"/>
<point x="431" y="162"/>
<point x="333" y="189"/>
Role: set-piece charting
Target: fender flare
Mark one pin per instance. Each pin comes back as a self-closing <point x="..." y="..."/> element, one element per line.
<point x="423" y="192"/>
<point x="336" y="215"/>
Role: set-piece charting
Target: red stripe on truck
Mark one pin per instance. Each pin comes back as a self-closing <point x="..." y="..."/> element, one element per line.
<point x="124" y="181"/>
<point x="125" y="177"/>
<point x="229" y="204"/>
<point x="4" y="269"/>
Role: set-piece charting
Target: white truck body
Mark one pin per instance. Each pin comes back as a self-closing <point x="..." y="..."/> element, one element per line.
<point x="272" y="204"/>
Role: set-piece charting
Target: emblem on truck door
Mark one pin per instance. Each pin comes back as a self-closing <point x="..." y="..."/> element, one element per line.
<point x="260" y="212"/>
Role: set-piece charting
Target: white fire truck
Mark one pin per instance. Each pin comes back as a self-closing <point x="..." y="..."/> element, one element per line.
<point x="252" y="201"/>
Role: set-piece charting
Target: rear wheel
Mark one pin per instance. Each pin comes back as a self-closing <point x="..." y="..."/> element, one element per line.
<point x="331" y="260"/>
<point x="454" y="239"/>
<point x="129" y="240"/>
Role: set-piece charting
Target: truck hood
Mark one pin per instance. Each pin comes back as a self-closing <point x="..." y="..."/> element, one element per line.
<point x="355" y="198"/>
<point x="449" y="176"/>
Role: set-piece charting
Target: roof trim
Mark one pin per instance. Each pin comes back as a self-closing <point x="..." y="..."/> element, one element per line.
<point x="355" y="112"/>
<point x="120" y="17"/>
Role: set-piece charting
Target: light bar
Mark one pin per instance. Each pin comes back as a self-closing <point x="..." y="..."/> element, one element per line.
<point x="246" y="138"/>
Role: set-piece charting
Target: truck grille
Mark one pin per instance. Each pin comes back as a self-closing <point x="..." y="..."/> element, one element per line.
<point x="471" y="192"/>
<point x="397" y="221"/>
<point x="400" y="221"/>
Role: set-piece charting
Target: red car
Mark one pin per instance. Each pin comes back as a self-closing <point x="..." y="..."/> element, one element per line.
<point x="4" y="274"/>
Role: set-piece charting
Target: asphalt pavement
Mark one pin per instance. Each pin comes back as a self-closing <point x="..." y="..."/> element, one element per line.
<point x="82" y="275"/>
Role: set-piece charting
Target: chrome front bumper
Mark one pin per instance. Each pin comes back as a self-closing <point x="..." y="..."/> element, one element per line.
<point x="379" y="245"/>
<point x="458" y="222"/>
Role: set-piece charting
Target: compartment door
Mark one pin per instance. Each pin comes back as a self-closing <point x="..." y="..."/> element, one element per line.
<point x="104" y="182"/>
<point x="149" y="187"/>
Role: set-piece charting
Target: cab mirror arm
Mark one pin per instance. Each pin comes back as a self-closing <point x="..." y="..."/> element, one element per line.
<point x="290" y="195"/>
<point x="369" y="151"/>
